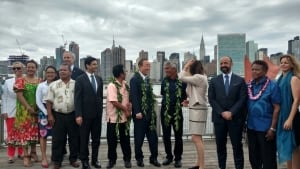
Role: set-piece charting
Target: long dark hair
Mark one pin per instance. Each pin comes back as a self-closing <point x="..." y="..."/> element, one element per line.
<point x="197" y="68"/>
<point x="56" y="73"/>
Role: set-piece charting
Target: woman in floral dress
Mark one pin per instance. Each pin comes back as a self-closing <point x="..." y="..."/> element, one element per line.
<point x="25" y="130"/>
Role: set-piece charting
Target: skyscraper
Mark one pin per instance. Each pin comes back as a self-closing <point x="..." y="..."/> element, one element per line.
<point x="202" y="49"/>
<point x="59" y="56"/>
<point x="261" y="53"/>
<point x="215" y="52"/>
<point x="160" y="57"/>
<point x="251" y="49"/>
<point x="44" y="62"/>
<point x="294" y="47"/>
<point x="110" y="58"/>
<point x="74" y="48"/>
<point x="174" y="57"/>
<point x="233" y="45"/>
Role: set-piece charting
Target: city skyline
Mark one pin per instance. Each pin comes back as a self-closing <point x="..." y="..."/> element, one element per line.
<point x="170" y="26"/>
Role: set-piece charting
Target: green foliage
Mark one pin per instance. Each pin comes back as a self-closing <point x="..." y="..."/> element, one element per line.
<point x="167" y="115"/>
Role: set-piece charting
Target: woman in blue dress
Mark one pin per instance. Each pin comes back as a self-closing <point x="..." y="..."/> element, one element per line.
<point x="289" y="83"/>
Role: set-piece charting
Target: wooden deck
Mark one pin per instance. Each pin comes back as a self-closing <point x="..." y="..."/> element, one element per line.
<point x="188" y="157"/>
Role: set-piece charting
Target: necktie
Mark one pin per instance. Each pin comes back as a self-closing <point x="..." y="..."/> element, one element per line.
<point x="226" y="84"/>
<point x="93" y="83"/>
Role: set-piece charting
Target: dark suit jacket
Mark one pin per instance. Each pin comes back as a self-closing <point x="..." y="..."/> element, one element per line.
<point x="88" y="104"/>
<point x="76" y="72"/>
<point x="136" y="96"/>
<point x="235" y="102"/>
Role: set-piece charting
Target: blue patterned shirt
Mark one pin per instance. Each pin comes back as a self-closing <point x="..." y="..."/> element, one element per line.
<point x="260" y="111"/>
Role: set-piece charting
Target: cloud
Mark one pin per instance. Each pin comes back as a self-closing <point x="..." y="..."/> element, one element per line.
<point x="173" y="26"/>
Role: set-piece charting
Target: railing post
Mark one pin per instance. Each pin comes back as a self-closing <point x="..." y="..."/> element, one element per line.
<point x="1" y="129"/>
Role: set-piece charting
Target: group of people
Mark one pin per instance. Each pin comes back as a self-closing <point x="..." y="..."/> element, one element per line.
<point x="68" y="106"/>
<point x="269" y="108"/>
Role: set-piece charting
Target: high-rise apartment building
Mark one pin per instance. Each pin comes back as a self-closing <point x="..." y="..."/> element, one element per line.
<point x="110" y="58"/>
<point x="74" y="48"/>
<point x="251" y="49"/>
<point x="59" y="56"/>
<point x="215" y="52"/>
<point x="261" y="53"/>
<point x="160" y="57"/>
<point x="44" y="62"/>
<point x="174" y="57"/>
<point x="155" y="73"/>
<point x="294" y="47"/>
<point x="187" y="56"/>
<point x="16" y="58"/>
<point x="202" y="49"/>
<point x="233" y="45"/>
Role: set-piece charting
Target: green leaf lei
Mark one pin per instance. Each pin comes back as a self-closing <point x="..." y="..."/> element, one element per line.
<point x="119" y="112"/>
<point x="167" y="115"/>
<point x="145" y="104"/>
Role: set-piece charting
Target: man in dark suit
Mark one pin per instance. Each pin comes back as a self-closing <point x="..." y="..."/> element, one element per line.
<point x="227" y="96"/>
<point x="143" y="113"/>
<point x="69" y="58"/>
<point x="88" y="109"/>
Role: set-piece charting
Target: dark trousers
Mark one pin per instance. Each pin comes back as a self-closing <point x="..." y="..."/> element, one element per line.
<point x="262" y="153"/>
<point x="235" y="130"/>
<point x="167" y="137"/>
<point x="64" y="125"/>
<point x="112" y="141"/>
<point x="90" y="127"/>
<point x="142" y="128"/>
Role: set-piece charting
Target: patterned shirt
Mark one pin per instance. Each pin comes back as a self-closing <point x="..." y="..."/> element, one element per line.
<point x="62" y="96"/>
<point x="260" y="111"/>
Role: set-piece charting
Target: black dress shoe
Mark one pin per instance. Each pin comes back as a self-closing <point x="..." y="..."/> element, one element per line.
<point x="195" y="167"/>
<point x="140" y="163"/>
<point x="85" y="165"/>
<point x="96" y="164"/>
<point x="167" y="161"/>
<point x="178" y="164"/>
<point x="110" y="164"/>
<point x="127" y="164"/>
<point x="155" y="163"/>
<point x="74" y="164"/>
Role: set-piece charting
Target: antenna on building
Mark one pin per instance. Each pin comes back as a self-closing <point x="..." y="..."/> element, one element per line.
<point x="21" y="51"/>
<point x="64" y="41"/>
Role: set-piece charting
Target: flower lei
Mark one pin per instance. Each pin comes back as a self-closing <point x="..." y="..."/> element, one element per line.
<point x="258" y="95"/>
<point x="119" y="112"/>
<point x="145" y="104"/>
<point x="177" y="116"/>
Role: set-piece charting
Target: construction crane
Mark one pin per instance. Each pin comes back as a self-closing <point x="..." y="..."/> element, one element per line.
<point x="21" y="51"/>
<point x="64" y="41"/>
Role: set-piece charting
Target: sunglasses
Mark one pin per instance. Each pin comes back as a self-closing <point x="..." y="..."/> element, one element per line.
<point x="16" y="68"/>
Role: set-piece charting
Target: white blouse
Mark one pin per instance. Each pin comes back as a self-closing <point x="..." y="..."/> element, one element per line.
<point x="41" y="93"/>
<point x="9" y="98"/>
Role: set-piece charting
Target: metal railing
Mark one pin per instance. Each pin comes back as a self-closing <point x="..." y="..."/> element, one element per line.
<point x="185" y="111"/>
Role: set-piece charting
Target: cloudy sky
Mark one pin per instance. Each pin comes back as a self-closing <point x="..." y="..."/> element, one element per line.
<point x="152" y="25"/>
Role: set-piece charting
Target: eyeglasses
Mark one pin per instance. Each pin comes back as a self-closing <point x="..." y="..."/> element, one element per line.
<point x="16" y="68"/>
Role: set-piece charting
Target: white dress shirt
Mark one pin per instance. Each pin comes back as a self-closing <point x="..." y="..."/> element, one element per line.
<point x="229" y="77"/>
<point x="89" y="75"/>
<point x="9" y="98"/>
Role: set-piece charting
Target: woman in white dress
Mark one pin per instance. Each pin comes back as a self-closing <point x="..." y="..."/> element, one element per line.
<point x="9" y="108"/>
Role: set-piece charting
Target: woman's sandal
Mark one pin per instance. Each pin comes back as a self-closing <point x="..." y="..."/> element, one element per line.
<point x="10" y="160"/>
<point x="34" y="156"/>
<point x="27" y="161"/>
<point x="45" y="164"/>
